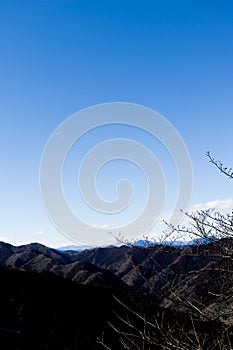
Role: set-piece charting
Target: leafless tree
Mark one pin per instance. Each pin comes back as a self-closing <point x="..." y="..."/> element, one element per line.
<point x="214" y="233"/>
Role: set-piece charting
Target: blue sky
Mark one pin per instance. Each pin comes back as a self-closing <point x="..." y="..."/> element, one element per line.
<point x="58" y="57"/>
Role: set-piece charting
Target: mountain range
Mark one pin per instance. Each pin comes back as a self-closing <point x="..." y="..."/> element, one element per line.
<point x="140" y="243"/>
<point x="195" y="278"/>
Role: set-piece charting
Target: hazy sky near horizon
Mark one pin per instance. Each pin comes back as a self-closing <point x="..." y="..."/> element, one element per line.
<point x="60" y="56"/>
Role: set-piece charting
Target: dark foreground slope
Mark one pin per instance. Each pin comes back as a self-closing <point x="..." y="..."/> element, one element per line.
<point x="42" y="311"/>
<point x="50" y="312"/>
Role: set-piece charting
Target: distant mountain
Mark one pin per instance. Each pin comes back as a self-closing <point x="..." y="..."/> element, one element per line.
<point x="149" y="243"/>
<point x="76" y="248"/>
<point x="176" y="243"/>
<point x="139" y="243"/>
<point x="80" y="248"/>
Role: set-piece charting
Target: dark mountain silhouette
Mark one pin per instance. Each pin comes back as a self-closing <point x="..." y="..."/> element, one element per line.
<point x="174" y="277"/>
<point x="44" y="311"/>
<point x="65" y="300"/>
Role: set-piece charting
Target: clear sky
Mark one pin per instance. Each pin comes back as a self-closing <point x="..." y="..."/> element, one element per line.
<point x="60" y="56"/>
